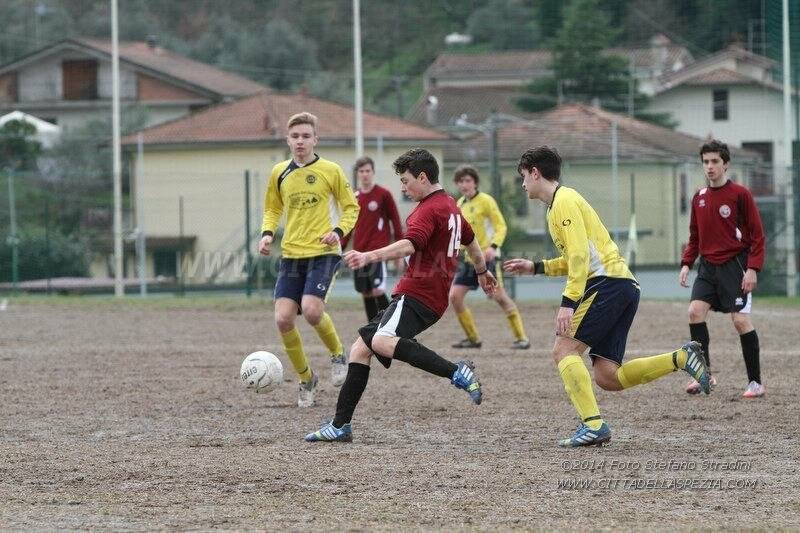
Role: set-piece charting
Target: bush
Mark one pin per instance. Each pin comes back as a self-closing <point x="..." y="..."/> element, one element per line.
<point x="65" y="256"/>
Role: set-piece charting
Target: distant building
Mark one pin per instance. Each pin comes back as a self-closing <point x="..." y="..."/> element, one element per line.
<point x="476" y="84"/>
<point x="69" y="83"/>
<point x="201" y="160"/>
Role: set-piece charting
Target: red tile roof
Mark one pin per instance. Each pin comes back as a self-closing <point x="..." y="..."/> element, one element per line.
<point x="582" y="132"/>
<point x="263" y="117"/>
<point x="177" y="66"/>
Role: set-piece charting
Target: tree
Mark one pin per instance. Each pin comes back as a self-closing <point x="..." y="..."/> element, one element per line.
<point x="18" y="148"/>
<point x="504" y="25"/>
<point x="582" y="69"/>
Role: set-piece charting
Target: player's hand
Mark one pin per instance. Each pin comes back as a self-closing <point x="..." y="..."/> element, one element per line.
<point x="488" y="283"/>
<point x="749" y="280"/>
<point x="331" y="238"/>
<point x="563" y="320"/>
<point x="490" y="254"/>
<point x="355" y="259"/>
<point x="518" y="266"/>
<point x="683" y="277"/>
<point x="264" y="243"/>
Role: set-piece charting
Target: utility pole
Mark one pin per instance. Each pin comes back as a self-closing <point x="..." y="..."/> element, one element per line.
<point x="359" y="91"/>
<point x="119" y="288"/>
<point x="791" y="262"/>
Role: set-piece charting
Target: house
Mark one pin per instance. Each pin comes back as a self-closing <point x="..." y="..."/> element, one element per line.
<point x="199" y="162"/>
<point x="476" y="84"/>
<point x="69" y="83"/>
<point x="660" y="165"/>
<point x="733" y="95"/>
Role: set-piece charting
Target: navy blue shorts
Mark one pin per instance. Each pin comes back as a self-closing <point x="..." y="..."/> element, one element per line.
<point x="604" y="316"/>
<point x="314" y="275"/>
<point x="467" y="277"/>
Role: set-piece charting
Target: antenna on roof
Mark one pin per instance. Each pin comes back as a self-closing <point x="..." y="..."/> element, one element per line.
<point x="152" y="41"/>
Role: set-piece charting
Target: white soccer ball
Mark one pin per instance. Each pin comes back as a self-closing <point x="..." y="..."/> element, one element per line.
<point x="262" y="372"/>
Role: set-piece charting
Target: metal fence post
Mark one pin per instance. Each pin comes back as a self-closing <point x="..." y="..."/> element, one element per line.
<point x="248" y="255"/>
<point x="13" y="240"/>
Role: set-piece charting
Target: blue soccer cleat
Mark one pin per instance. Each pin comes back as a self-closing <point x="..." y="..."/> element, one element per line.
<point x="586" y="436"/>
<point x="696" y="366"/>
<point x="329" y="433"/>
<point x="464" y="378"/>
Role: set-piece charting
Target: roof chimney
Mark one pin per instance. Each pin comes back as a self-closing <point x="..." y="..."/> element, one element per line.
<point x="152" y="41"/>
<point x="431" y="106"/>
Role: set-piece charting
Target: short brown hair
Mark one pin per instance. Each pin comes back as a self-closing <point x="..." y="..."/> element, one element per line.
<point x="361" y="161"/>
<point x="715" y="146"/>
<point x="417" y="161"/>
<point x="545" y="159"/>
<point x="466" y="170"/>
<point x="302" y="118"/>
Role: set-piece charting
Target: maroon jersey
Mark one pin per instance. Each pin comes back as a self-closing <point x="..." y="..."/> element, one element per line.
<point x="437" y="230"/>
<point x="371" y="231"/>
<point x="725" y="222"/>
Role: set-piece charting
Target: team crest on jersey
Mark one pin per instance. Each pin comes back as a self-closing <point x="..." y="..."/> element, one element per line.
<point x="701" y="203"/>
<point x="311" y="178"/>
<point x="372" y="205"/>
<point x="724" y="211"/>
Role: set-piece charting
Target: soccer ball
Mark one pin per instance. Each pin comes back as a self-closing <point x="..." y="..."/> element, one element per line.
<point x="262" y="372"/>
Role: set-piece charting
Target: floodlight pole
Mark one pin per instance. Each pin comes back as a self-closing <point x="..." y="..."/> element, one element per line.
<point x="359" y="93"/>
<point x="119" y="289"/>
<point x="791" y="262"/>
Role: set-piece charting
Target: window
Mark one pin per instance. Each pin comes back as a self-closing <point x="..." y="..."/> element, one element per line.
<point x="9" y="88"/>
<point x="760" y="179"/>
<point x="165" y="263"/>
<point x="720" y="102"/>
<point x="79" y="79"/>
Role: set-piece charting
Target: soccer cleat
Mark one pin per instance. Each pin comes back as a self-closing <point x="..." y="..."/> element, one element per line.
<point x="754" y="390"/>
<point x="696" y="367"/>
<point x="521" y="344"/>
<point x="338" y="369"/>
<point x="464" y="378"/>
<point x="693" y="387"/>
<point x="466" y="343"/>
<point x="305" y="397"/>
<point x="586" y="436"/>
<point x="330" y="433"/>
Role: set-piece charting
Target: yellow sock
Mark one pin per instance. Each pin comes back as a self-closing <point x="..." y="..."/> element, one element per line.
<point x="327" y="334"/>
<point x="294" y="349"/>
<point x="515" y="321"/>
<point x="578" y="384"/>
<point x="646" y="369"/>
<point x="468" y="324"/>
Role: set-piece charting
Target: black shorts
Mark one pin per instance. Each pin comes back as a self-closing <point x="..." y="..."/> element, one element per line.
<point x="467" y="276"/>
<point x="604" y="316"/>
<point x="721" y="285"/>
<point x="372" y="276"/>
<point x="405" y="317"/>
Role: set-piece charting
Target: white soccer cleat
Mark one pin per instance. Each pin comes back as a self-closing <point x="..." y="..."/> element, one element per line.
<point x="338" y="370"/>
<point x="305" y="396"/>
<point x="754" y="390"/>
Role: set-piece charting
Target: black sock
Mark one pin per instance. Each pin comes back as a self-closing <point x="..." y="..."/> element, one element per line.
<point x="415" y="354"/>
<point x="699" y="333"/>
<point x="349" y="396"/>
<point x="751" y="354"/>
<point x="382" y="301"/>
<point x="371" y="307"/>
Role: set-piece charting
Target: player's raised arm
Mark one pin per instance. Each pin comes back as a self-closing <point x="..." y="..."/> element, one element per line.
<point x="402" y="248"/>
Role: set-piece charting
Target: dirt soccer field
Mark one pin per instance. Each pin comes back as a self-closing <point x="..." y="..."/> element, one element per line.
<point x="131" y="416"/>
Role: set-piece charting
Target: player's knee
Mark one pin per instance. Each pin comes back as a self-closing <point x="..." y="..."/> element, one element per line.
<point x="696" y="314"/>
<point x="359" y="353"/>
<point x="285" y="322"/>
<point x="454" y="299"/>
<point x="607" y="382"/>
<point x="742" y="323"/>
<point x="312" y="314"/>
<point x="382" y="346"/>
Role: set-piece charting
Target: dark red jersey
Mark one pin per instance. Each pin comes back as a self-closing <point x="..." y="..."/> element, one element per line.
<point x="371" y="231"/>
<point x="437" y="230"/>
<point x="725" y="222"/>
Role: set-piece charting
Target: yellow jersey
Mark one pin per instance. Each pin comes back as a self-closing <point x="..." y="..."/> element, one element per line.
<point x="587" y="250"/>
<point x="486" y="219"/>
<point x="317" y="199"/>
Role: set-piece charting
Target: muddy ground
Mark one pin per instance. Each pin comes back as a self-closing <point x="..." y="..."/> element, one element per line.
<point x="131" y="416"/>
